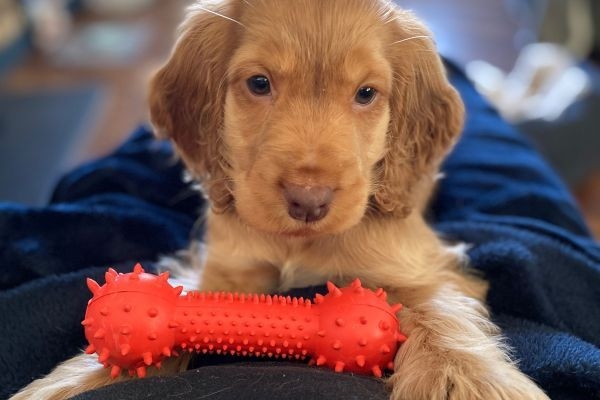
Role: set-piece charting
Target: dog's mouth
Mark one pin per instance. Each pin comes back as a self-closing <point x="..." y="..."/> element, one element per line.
<point x="302" y="232"/>
<point x="290" y="210"/>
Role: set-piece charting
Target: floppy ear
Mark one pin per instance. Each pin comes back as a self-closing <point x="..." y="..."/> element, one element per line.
<point x="426" y="116"/>
<point x="187" y="96"/>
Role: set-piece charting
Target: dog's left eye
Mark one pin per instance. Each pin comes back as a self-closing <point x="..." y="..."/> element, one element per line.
<point x="365" y="95"/>
<point x="259" y="85"/>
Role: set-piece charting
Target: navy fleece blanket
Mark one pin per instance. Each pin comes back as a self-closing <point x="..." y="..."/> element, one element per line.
<point x="525" y="231"/>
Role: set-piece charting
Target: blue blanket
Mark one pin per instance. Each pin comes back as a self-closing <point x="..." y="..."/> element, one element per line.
<point x="527" y="237"/>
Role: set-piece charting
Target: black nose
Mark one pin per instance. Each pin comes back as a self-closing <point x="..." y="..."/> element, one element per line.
<point x="307" y="203"/>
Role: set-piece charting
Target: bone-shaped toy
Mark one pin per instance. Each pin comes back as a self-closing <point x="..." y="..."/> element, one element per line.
<point x="136" y="319"/>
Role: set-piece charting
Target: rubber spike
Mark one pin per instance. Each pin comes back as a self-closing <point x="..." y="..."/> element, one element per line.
<point x="164" y="276"/>
<point x="377" y="371"/>
<point x="177" y="290"/>
<point x="110" y="275"/>
<point x="356" y="283"/>
<point x="104" y="354"/>
<point x="92" y="285"/>
<point x="138" y="268"/>
<point x="390" y="365"/>
<point x="381" y="293"/>
<point x="319" y="298"/>
<point x="339" y="366"/>
<point x="360" y="360"/>
<point x="321" y="360"/>
<point x="333" y="289"/>
<point x="385" y="349"/>
<point x="115" y="371"/>
<point x="141" y="372"/>
<point x="91" y="349"/>
<point x="99" y="334"/>
<point x="147" y="358"/>
<point x="125" y="349"/>
<point x="396" y="308"/>
<point x="87" y="321"/>
<point x="400" y="337"/>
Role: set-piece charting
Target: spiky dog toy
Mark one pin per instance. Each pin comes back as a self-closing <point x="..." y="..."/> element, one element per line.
<point x="136" y="319"/>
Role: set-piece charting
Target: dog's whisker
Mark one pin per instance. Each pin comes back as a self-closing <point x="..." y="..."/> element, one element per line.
<point x="412" y="38"/>
<point x="196" y="7"/>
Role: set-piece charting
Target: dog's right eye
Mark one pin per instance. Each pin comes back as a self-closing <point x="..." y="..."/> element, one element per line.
<point x="365" y="95"/>
<point x="259" y="85"/>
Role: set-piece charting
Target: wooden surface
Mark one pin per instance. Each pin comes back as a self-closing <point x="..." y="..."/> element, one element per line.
<point x="465" y="30"/>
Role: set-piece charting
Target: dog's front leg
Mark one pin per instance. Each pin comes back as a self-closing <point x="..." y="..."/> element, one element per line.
<point x="453" y="351"/>
<point x="83" y="373"/>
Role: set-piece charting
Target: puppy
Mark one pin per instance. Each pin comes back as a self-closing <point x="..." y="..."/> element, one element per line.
<point x="317" y="128"/>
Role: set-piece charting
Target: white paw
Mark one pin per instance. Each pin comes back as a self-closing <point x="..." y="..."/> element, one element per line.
<point x="432" y="377"/>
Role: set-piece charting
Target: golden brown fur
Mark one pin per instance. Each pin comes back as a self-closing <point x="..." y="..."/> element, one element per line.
<point x="381" y="159"/>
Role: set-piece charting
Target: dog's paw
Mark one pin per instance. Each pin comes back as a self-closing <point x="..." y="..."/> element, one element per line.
<point x="443" y="378"/>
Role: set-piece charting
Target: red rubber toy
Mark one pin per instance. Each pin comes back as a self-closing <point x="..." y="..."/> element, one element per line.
<point x="136" y="319"/>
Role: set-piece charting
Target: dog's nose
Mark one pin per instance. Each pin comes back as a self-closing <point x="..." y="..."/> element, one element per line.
<point x="307" y="203"/>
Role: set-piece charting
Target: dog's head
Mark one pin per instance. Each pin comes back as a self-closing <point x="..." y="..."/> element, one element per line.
<point x="303" y="116"/>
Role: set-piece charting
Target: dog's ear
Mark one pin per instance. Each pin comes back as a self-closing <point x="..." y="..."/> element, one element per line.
<point x="426" y="115"/>
<point x="187" y="97"/>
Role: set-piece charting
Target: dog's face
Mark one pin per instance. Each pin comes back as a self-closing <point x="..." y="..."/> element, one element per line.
<point x="306" y="117"/>
<point x="301" y="116"/>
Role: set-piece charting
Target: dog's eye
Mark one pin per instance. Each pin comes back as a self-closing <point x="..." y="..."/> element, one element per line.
<point x="365" y="95"/>
<point x="259" y="85"/>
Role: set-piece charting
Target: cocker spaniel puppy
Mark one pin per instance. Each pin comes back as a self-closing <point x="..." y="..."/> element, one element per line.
<point x="317" y="128"/>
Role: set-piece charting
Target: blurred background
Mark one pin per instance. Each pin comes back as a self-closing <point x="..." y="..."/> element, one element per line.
<point x="73" y="76"/>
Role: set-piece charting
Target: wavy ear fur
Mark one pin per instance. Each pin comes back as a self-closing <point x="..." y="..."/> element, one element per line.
<point x="187" y="96"/>
<point x="426" y="117"/>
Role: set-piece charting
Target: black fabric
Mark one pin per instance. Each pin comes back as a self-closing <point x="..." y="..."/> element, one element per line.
<point x="248" y="381"/>
<point x="525" y="232"/>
